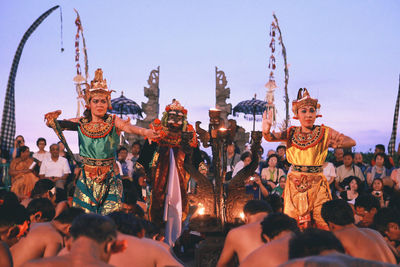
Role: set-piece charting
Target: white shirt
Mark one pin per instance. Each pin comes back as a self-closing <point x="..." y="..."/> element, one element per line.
<point x="41" y="156"/>
<point x="329" y="171"/>
<point x="237" y="168"/>
<point x="50" y="168"/>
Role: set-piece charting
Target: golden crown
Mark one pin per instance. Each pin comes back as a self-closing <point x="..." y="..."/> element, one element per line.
<point x="304" y="99"/>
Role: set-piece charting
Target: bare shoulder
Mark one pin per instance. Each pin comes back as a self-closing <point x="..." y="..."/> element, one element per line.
<point x="294" y="263"/>
<point x="59" y="261"/>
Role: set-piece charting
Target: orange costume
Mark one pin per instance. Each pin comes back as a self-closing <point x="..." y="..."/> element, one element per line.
<point x="22" y="183"/>
<point x="306" y="187"/>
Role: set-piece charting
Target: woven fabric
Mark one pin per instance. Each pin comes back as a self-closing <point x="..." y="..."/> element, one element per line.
<point x="8" y="122"/>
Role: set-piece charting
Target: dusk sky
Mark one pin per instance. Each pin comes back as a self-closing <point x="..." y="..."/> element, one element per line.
<point x="346" y="53"/>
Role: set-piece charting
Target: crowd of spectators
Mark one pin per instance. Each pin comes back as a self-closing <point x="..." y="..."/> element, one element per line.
<point x="36" y="213"/>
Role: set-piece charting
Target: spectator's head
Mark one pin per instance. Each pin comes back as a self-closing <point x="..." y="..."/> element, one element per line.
<point x="20" y="141"/>
<point x="203" y="168"/>
<point x="66" y="217"/>
<point x="246" y="158"/>
<point x="41" y="210"/>
<point x="128" y="224"/>
<point x="54" y="151"/>
<point x="355" y="183"/>
<point x="337" y="213"/>
<point x="380" y="159"/>
<point x="387" y="222"/>
<point x="8" y="198"/>
<point x="282" y="181"/>
<point x="260" y="152"/>
<point x="44" y="188"/>
<point x="313" y="242"/>
<point x="61" y="195"/>
<point x="377" y="184"/>
<point x="380" y="149"/>
<point x="100" y="229"/>
<point x="256" y="208"/>
<point x="12" y="218"/>
<point x="358" y="158"/>
<point x="366" y="207"/>
<point x="276" y="202"/>
<point x="275" y="224"/>
<point x="272" y="160"/>
<point x="230" y="148"/>
<point x="348" y="159"/>
<point x="25" y="152"/>
<point x="339" y="154"/>
<point x="122" y="153"/>
<point x="129" y="201"/>
<point x="136" y="147"/>
<point x="41" y="143"/>
<point x="281" y="151"/>
<point x="152" y="231"/>
<point x="61" y="146"/>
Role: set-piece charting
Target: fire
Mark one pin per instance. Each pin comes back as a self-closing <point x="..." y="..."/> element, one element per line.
<point x="242" y="216"/>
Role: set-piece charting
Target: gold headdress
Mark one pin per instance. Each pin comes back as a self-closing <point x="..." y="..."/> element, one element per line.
<point x="98" y="86"/>
<point x="175" y="105"/>
<point x="304" y="99"/>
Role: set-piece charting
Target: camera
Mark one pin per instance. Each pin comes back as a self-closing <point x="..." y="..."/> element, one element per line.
<point x="252" y="178"/>
<point x="377" y="193"/>
<point x="19" y="142"/>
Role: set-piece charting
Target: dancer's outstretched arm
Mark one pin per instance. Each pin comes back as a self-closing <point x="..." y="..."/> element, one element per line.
<point x="266" y="129"/>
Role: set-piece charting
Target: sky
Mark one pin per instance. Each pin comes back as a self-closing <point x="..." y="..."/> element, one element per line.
<point x="346" y="53"/>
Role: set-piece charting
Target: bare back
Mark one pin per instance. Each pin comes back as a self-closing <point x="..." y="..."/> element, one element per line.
<point x="66" y="261"/>
<point x="242" y="241"/>
<point x="43" y="240"/>
<point x="365" y="243"/>
<point x="142" y="252"/>
<point x="273" y="253"/>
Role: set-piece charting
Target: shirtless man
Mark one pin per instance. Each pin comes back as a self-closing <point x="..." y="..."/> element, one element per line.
<point x="93" y="240"/>
<point x="44" y="239"/>
<point x="140" y="251"/>
<point x="362" y="243"/>
<point x="319" y="248"/>
<point x="277" y="230"/>
<point x="246" y="238"/>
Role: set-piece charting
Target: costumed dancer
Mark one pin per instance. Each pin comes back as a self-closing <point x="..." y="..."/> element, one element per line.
<point x="163" y="162"/>
<point x="307" y="147"/>
<point x="99" y="187"/>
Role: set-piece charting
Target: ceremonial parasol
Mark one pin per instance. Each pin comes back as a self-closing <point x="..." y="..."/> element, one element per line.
<point x="125" y="106"/>
<point x="251" y="108"/>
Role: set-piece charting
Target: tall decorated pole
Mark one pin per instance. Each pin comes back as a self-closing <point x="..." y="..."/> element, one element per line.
<point x="79" y="79"/>
<point x="286" y="69"/>
<point x="392" y="142"/>
<point x="8" y="124"/>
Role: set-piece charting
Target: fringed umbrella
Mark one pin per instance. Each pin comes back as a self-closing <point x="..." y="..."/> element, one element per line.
<point x="252" y="109"/>
<point x="125" y="106"/>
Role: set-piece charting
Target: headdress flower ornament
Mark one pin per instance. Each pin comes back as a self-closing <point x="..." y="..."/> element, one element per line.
<point x="98" y="86"/>
<point x="304" y="99"/>
<point x="176" y="106"/>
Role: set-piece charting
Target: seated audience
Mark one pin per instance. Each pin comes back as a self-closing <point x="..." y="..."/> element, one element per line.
<point x="316" y="247"/>
<point x="93" y="240"/>
<point x="353" y="191"/>
<point x="346" y="170"/>
<point x="245" y="160"/>
<point x="271" y="173"/>
<point x="366" y="207"/>
<point x="21" y="171"/>
<point x="381" y="169"/>
<point x="277" y="230"/>
<point x="55" y="168"/>
<point x="362" y="243"/>
<point x="40" y="210"/>
<point x="246" y="238"/>
<point x="41" y="154"/>
<point x="379" y="193"/>
<point x="387" y="223"/>
<point x="44" y="239"/>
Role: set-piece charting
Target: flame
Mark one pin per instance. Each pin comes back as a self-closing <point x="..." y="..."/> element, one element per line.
<point x="201" y="209"/>
<point x="241" y="216"/>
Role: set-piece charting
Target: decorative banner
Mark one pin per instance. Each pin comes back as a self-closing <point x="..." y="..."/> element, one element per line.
<point x="392" y="142"/>
<point x="79" y="79"/>
<point x="8" y="122"/>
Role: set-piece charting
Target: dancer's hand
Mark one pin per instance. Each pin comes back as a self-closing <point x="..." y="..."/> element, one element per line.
<point x="267" y="121"/>
<point x="336" y="140"/>
<point x="49" y="117"/>
<point x="151" y="134"/>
